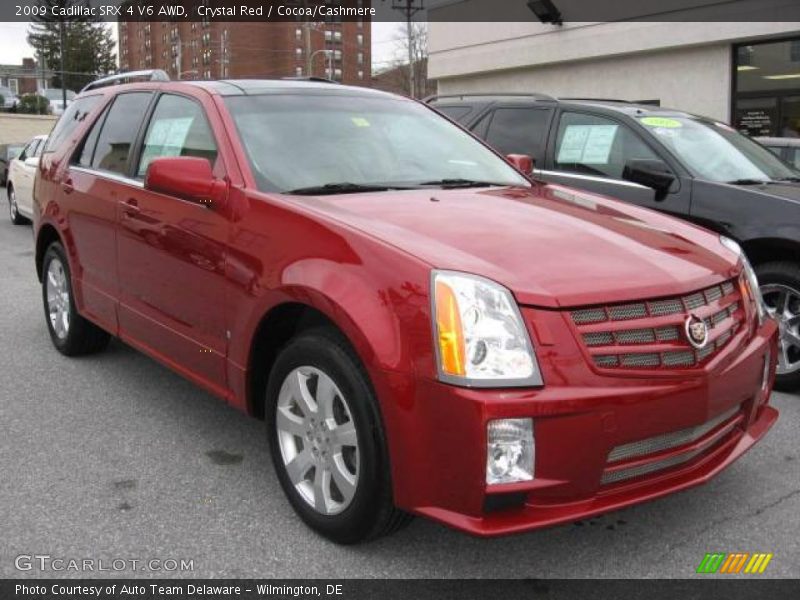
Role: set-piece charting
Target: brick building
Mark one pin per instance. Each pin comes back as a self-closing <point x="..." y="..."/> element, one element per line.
<point x="26" y="78"/>
<point x="221" y="50"/>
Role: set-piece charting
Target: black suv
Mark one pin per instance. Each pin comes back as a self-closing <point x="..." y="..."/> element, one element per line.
<point x="691" y="167"/>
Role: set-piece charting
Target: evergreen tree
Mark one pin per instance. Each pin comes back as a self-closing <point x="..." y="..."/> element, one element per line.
<point x="88" y="47"/>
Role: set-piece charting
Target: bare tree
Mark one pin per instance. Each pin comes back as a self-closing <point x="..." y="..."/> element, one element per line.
<point x="412" y="58"/>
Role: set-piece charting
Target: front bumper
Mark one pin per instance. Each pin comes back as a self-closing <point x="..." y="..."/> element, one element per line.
<point x="580" y="416"/>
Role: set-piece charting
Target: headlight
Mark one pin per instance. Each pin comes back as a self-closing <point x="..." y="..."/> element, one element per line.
<point x="750" y="277"/>
<point x="480" y="338"/>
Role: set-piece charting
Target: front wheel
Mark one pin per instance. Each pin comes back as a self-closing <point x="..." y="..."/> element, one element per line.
<point x="780" y="286"/>
<point x="72" y="335"/>
<point x="327" y="440"/>
<point x="13" y="209"/>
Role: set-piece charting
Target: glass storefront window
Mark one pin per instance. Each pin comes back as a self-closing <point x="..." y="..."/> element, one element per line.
<point x="767" y="88"/>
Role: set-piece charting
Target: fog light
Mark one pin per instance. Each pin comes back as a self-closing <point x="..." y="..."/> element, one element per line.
<point x="509" y="451"/>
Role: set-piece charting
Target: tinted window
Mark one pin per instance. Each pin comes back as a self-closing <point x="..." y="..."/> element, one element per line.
<point x="119" y="132"/>
<point x="37" y="151"/>
<point x="84" y="157"/>
<point x="597" y="146"/>
<point x="518" y="130"/>
<point x="75" y="114"/>
<point x="457" y="113"/>
<point x="793" y="157"/>
<point x="178" y="128"/>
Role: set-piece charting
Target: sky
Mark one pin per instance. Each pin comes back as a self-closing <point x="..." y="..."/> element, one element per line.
<point x="14" y="47"/>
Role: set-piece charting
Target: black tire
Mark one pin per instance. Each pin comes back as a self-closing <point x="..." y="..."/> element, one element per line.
<point x="13" y="213"/>
<point x="371" y="512"/>
<point x="785" y="274"/>
<point x="82" y="336"/>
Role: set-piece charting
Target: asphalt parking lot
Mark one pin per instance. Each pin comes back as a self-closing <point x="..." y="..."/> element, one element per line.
<point x="114" y="456"/>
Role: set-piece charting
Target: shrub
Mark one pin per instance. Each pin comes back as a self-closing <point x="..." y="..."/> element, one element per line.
<point x="34" y="104"/>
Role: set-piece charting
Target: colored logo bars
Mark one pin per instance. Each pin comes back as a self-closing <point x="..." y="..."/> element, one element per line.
<point x="740" y="562"/>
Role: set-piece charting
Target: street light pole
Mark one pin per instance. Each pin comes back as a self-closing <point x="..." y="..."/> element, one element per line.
<point x="311" y="61"/>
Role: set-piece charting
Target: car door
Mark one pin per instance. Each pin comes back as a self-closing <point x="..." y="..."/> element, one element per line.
<point x="95" y="179"/>
<point x="22" y="176"/>
<point x="29" y="168"/>
<point x="171" y="252"/>
<point x="590" y="151"/>
<point x="518" y="130"/>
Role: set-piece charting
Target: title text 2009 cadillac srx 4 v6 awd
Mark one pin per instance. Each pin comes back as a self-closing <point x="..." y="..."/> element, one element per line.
<point x="424" y="329"/>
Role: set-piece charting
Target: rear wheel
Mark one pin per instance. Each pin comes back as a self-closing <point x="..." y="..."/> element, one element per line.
<point x="71" y="334"/>
<point x="13" y="209"/>
<point x="327" y="441"/>
<point x="780" y="286"/>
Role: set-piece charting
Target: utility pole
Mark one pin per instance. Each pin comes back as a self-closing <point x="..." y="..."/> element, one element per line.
<point x="63" y="35"/>
<point x="409" y="8"/>
<point x="179" y="57"/>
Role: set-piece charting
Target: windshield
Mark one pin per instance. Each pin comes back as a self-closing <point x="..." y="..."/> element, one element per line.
<point x="716" y="151"/>
<point x="297" y="142"/>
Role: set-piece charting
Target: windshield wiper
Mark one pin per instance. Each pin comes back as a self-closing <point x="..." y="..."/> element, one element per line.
<point x="790" y="178"/>
<point x="462" y="183"/>
<point x="342" y="188"/>
<point x="749" y="181"/>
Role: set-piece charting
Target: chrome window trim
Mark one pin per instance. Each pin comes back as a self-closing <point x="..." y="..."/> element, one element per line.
<point x="109" y="175"/>
<point x="591" y="178"/>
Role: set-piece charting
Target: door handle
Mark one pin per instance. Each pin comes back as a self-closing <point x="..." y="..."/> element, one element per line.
<point x="67" y="186"/>
<point x="130" y="207"/>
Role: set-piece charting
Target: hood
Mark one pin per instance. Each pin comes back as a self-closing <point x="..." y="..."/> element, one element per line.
<point x="782" y="189"/>
<point x="550" y="245"/>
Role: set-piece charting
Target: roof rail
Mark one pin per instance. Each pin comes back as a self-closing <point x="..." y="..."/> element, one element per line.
<point x="497" y="95"/>
<point x="149" y="75"/>
<point x="312" y="79"/>
<point x="596" y="99"/>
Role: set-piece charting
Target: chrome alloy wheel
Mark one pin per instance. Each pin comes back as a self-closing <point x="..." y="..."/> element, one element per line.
<point x="783" y="303"/>
<point x="58" y="307"/>
<point x="317" y="439"/>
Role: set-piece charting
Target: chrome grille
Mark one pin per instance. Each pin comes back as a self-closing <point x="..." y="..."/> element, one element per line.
<point x="723" y="424"/>
<point x="668" y="440"/>
<point x="611" y="332"/>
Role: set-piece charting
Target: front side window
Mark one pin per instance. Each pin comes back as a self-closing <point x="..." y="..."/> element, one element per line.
<point x="300" y="141"/>
<point x="595" y="145"/>
<point x="518" y="130"/>
<point x="715" y="151"/>
<point x="178" y="128"/>
<point x="119" y="132"/>
<point x="75" y="114"/>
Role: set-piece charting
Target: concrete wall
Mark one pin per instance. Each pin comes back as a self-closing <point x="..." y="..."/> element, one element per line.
<point x="684" y="65"/>
<point x="16" y="128"/>
<point x="697" y="80"/>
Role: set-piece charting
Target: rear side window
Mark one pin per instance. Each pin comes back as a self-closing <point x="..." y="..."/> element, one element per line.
<point x="119" y="132"/>
<point x="457" y="113"/>
<point x="518" y="130"/>
<point x="37" y="152"/>
<point x="75" y="114"/>
<point x="84" y="158"/>
<point x="793" y="157"/>
<point x="178" y="128"/>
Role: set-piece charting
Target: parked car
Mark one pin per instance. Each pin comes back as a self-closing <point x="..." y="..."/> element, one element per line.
<point x="672" y="161"/>
<point x="56" y="98"/>
<point x="424" y="329"/>
<point x="8" y="152"/>
<point x="21" y="174"/>
<point x="10" y="99"/>
<point x="785" y="148"/>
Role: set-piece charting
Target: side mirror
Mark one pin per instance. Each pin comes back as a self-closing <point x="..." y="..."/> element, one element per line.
<point x="522" y="162"/>
<point x="32" y="162"/>
<point x="185" y="177"/>
<point x="652" y="173"/>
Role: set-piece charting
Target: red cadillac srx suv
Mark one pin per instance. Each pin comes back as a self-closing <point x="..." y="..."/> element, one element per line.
<point x="423" y="327"/>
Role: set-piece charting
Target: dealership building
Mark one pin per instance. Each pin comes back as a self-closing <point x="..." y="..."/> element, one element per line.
<point x="745" y="73"/>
